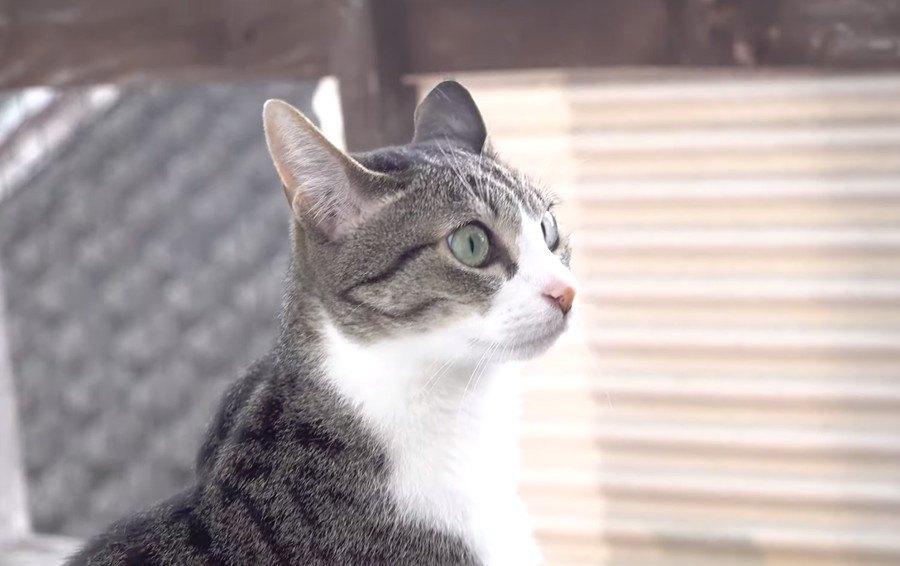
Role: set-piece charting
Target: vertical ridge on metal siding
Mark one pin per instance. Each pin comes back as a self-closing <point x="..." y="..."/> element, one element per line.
<point x="732" y="393"/>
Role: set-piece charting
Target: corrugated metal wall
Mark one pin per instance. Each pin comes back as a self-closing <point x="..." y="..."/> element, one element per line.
<point x="733" y="396"/>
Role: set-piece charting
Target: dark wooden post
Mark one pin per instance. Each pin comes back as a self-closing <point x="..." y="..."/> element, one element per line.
<point x="370" y="57"/>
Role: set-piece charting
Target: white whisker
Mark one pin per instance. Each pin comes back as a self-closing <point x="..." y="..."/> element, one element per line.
<point x="485" y="358"/>
<point x="453" y="163"/>
<point x="432" y="381"/>
<point x="485" y="367"/>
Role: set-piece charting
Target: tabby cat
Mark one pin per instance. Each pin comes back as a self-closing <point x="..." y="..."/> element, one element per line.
<point x="381" y="429"/>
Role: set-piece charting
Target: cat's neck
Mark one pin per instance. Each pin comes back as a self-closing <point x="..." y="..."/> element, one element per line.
<point x="302" y="318"/>
<point x="391" y="380"/>
<point x="398" y="383"/>
<point x="451" y="431"/>
<point x="450" y="428"/>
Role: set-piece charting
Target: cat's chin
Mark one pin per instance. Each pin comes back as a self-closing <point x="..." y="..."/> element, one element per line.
<point x="532" y="348"/>
<point x="524" y="348"/>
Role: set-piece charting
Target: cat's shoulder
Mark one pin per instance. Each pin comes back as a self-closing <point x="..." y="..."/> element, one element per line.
<point x="234" y="399"/>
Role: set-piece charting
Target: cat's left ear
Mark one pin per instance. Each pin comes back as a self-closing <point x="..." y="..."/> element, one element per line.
<point x="327" y="189"/>
<point x="448" y="114"/>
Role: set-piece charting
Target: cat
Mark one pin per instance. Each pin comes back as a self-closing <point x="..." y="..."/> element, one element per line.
<point x="381" y="428"/>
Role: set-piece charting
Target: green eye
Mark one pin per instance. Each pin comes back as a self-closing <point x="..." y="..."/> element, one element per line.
<point x="470" y="245"/>
<point x="550" y="230"/>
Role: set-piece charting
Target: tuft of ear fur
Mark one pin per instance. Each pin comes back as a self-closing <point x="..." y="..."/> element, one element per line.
<point x="326" y="188"/>
<point x="448" y="114"/>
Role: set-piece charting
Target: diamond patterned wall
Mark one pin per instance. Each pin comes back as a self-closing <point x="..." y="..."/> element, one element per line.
<point x="143" y="268"/>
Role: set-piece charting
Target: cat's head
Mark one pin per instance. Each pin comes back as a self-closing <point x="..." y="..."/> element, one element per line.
<point x="435" y="243"/>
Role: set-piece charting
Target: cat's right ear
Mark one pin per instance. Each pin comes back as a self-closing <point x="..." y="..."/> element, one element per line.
<point x="327" y="189"/>
<point x="448" y="114"/>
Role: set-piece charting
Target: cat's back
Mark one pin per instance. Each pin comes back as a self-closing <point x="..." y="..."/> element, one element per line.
<point x="169" y="533"/>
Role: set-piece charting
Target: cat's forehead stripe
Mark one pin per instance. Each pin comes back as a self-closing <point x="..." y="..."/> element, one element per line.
<point x="491" y="180"/>
<point x="503" y="190"/>
<point x="518" y="190"/>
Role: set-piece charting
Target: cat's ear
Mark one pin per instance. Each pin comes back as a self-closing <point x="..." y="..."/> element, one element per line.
<point x="448" y="114"/>
<point x="326" y="188"/>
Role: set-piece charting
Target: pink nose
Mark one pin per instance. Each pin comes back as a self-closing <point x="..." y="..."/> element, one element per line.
<point x="562" y="294"/>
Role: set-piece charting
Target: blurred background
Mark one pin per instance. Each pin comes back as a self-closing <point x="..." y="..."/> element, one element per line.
<point x="731" y="177"/>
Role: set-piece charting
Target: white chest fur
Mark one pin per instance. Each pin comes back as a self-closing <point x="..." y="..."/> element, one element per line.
<point x="452" y="435"/>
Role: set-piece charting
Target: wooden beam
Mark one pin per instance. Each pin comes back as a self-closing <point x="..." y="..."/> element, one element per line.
<point x="370" y="57"/>
<point x="467" y="35"/>
<point x="64" y="42"/>
<point x="371" y="44"/>
<point x="833" y="33"/>
<point x="67" y="42"/>
<point x="470" y="35"/>
<point x="812" y="33"/>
